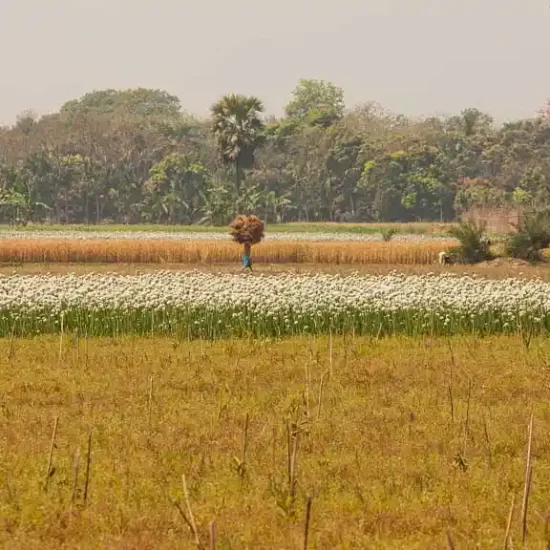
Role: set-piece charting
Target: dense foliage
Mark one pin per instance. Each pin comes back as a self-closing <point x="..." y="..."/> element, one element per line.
<point x="531" y="237"/>
<point x="136" y="157"/>
<point x="474" y="246"/>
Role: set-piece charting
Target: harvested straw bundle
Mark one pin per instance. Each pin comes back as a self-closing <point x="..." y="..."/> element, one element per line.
<point x="247" y="230"/>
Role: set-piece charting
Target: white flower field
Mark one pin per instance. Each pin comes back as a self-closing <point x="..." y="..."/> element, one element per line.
<point x="213" y="236"/>
<point x="196" y="304"/>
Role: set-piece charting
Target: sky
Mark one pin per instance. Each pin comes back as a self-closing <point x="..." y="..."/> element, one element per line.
<point x="416" y="57"/>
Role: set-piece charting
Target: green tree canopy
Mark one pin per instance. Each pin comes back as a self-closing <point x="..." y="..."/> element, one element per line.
<point x="139" y="102"/>
<point x="316" y="102"/>
<point x="134" y="156"/>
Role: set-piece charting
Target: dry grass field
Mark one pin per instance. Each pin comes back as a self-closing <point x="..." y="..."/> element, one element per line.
<point x="399" y="443"/>
<point x="210" y="253"/>
<point x="500" y="269"/>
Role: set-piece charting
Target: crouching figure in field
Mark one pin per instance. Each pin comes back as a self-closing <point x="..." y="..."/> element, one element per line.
<point x="445" y="258"/>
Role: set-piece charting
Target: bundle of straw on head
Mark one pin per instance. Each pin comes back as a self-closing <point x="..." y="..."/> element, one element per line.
<point x="247" y="229"/>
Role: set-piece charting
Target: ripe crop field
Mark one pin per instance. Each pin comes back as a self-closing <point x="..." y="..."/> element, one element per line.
<point x="399" y="443"/>
<point x="209" y="252"/>
<point x="211" y="306"/>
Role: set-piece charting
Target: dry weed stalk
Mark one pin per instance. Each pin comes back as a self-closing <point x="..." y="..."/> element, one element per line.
<point x="467" y="421"/>
<point x="187" y="518"/>
<point x="88" y="464"/>
<point x="320" y="399"/>
<point x="451" y="402"/>
<point x="49" y="470"/>
<point x="450" y="542"/>
<point x="507" y="539"/>
<point x="213" y="533"/>
<point x="75" y="477"/>
<point x="150" y="400"/>
<point x="527" y="484"/>
<point x="307" y="523"/>
<point x="240" y="464"/>
<point x="487" y="443"/>
<point x="190" y="517"/>
<point x="292" y="453"/>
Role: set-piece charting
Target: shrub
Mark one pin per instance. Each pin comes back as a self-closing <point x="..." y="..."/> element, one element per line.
<point x="474" y="245"/>
<point x="532" y="236"/>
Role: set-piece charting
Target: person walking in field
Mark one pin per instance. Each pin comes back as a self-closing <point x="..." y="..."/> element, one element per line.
<point x="247" y="230"/>
<point x="247" y="256"/>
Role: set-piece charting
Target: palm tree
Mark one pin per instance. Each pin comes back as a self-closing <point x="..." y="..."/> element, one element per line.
<point x="237" y="126"/>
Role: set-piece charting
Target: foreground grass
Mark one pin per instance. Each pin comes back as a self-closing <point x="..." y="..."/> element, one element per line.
<point x="399" y="442"/>
<point x="419" y="228"/>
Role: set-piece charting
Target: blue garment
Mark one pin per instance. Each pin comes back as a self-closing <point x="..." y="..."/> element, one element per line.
<point x="247" y="261"/>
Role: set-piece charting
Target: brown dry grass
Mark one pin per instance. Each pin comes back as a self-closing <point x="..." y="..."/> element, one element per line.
<point x="407" y="440"/>
<point x="492" y="270"/>
<point x="215" y="252"/>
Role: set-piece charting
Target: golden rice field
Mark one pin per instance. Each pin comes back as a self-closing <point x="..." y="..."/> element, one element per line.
<point x="218" y="252"/>
<point x="400" y="443"/>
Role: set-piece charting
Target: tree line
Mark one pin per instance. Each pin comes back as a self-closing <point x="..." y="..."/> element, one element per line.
<point x="135" y="156"/>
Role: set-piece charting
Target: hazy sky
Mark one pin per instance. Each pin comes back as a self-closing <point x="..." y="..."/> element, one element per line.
<point x="413" y="56"/>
